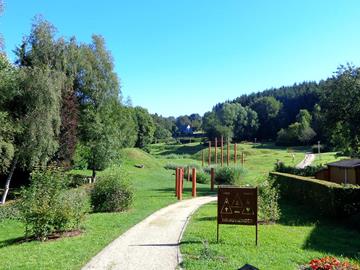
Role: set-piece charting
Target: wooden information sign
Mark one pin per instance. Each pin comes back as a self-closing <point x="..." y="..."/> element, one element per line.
<point x="237" y="205"/>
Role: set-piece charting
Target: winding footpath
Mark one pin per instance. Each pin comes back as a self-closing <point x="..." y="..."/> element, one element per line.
<point x="309" y="158"/>
<point x="151" y="244"/>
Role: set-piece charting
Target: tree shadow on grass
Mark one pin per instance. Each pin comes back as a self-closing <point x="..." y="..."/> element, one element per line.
<point x="13" y="241"/>
<point x="328" y="235"/>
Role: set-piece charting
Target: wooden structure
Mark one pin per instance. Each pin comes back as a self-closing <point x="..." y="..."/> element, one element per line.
<point x="342" y="172"/>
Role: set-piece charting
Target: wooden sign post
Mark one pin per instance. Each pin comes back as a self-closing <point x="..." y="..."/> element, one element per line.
<point x="194" y="182"/>
<point x="237" y="206"/>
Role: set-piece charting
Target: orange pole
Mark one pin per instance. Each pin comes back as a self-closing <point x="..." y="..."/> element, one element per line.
<point x="222" y="151"/>
<point x="209" y="161"/>
<point x="228" y="152"/>
<point x="202" y="154"/>
<point x="235" y="153"/>
<point x="215" y="150"/>
<point x="212" y="172"/>
<point x="193" y="182"/>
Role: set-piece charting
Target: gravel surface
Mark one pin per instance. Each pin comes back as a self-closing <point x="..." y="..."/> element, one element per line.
<point x="151" y="244"/>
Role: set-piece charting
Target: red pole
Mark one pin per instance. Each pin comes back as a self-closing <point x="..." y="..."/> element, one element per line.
<point x="177" y="182"/>
<point x="228" y="152"/>
<point x="215" y="150"/>
<point x="235" y="153"/>
<point x="212" y="172"/>
<point x="209" y="162"/>
<point x="194" y="182"/>
<point x="202" y="154"/>
<point x="222" y="151"/>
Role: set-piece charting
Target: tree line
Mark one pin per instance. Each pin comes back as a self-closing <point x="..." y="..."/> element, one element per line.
<point x="327" y="111"/>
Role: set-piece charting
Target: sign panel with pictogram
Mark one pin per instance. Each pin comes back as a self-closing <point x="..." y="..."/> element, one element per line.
<point x="237" y="205"/>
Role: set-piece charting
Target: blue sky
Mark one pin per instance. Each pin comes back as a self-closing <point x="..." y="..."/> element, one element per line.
<point x="179" y="57"/>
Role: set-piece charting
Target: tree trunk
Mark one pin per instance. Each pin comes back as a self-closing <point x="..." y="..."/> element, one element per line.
<point x="93" y="178"/>
<point x="8" y="180"/>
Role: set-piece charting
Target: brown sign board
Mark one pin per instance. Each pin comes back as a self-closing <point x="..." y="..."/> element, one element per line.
<point x="237" y="205"/>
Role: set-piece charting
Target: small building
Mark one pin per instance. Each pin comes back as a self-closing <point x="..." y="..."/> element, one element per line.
<point x="343" y="172"/>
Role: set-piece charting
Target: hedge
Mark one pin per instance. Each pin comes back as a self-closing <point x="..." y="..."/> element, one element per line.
<point x="329" y="199"/>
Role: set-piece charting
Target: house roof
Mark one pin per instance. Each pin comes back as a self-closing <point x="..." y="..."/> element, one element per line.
<point x="346" y="163"/>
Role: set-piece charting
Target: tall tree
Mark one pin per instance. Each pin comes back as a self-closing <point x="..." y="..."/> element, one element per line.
<point x="145" y="127"/>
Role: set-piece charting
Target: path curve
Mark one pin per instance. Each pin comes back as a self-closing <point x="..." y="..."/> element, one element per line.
<point x="151" y="244"/>
<point x="309" y="158"/>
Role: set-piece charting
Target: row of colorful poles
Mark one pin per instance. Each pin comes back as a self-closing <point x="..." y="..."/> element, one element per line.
<point x="222" y="153"/>
<point x="179" y="181"/>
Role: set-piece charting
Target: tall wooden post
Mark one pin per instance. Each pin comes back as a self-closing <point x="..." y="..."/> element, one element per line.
<point x="235" y="155"/>
<point x="193" y="193"/>
<point x="176" y="181"/>
<point x="202" y="158"/>
<point x="228" y="152"/>
<point x="216" y="150"/>
<point x="209" y="161"/>
<point x="212" y="173"/>
<point x="222" y="151"/>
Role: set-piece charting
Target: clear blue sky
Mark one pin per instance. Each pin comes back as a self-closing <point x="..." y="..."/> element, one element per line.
<point x="182" y="56"/>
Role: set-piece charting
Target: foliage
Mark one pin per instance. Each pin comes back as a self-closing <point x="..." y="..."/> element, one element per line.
<point x="47" y="207"/>
<point x="81" y="156"/>
<point x="307" y="171"/>
<point x="331" y="199"/>
<point x="269" y="209"/>
<point x="329" y="263"/>
<point x="340" y="105"/>
<point x="112" y="192"/>
<point x="229" y="175"/>
<point x="9" y="210"/>
<point x="145" y="127"/>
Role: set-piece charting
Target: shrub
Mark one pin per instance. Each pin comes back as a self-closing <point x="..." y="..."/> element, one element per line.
<point x="9" y="210"/>
<point x="228" y="175"/>
<point x="47" y="207"/>
<point x="330" y="263"/>
<point x="307" y="171"/>
<point x="329" y="199"/>
<point x="269" y="209"/>
<point x="171" y="166"/>
<point x="202" y="177"/>
<point x="112" y="192"/>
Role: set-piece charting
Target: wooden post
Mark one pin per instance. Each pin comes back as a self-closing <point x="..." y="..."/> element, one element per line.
<point x="215" y="150"/>
<point x="235" y="153"/>
<point x="181" y="178"/>
<point x="209" y="161"/>
<point x="228" y="152"/>
<point x="202" y="154"/>
<point x="177" y="182"/>
<point x="212" y="172"/>
<point x="193" y="182"/>
<point x="222" y="151"/>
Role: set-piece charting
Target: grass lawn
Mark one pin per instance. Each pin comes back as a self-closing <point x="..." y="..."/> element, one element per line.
<point x="297" y="238"/>
<point x="154" y="190"/>
<point x="327" y="157"/>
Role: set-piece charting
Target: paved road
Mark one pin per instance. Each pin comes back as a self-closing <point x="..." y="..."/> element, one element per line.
<point x="309" y="158"/>
<point x="152" y="243"/>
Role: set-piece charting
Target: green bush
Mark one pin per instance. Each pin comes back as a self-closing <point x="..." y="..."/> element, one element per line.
<point x="112" y="192"/>
<point x="81" y="157"/>
<point x="269" y="209"/>
<point x="47" y="207"/>
<point x="307" y="171"/>
<point x="9" y="210"/>
<point x="327" y="198"/>
<point x="229" y="175"/>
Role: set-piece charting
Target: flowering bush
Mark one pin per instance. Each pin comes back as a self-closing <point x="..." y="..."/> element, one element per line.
<point x="329" y="263"/>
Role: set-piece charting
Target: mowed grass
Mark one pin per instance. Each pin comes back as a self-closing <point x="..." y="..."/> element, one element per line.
<point x="297" y="238"/>
<point x="154" y="189"/>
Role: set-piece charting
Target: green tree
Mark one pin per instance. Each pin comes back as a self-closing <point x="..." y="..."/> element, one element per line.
<point x="145" y="127"/>
<point x="340" y="105"/>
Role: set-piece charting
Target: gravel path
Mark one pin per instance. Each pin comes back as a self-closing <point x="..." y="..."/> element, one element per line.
<point x="309" y="158"/>
<point x="151" y="244"/>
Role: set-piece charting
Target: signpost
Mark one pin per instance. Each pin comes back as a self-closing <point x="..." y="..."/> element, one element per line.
<point x="237" y="206"/>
